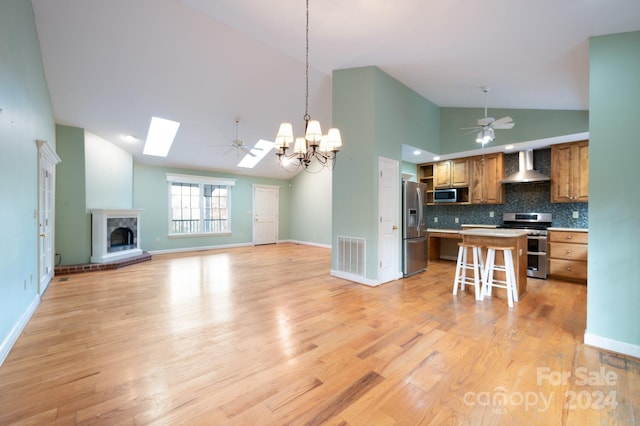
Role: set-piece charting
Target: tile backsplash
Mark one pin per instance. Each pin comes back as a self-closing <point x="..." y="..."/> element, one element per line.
<point x="519" y="198"/>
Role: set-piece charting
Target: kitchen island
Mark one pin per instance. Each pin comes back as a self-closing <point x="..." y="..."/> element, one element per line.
<point x="516" y="238"/>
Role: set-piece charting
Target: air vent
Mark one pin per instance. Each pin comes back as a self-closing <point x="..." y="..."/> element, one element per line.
<point x="351" y="255"/>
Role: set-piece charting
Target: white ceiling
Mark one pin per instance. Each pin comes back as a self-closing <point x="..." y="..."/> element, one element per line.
<point x="113" y="64"/>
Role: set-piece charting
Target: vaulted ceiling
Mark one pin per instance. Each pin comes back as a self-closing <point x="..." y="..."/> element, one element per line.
<point x="111" y="65"/>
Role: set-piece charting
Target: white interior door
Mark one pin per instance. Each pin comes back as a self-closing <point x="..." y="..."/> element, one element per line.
<point x="265" y="207"/>
<point x="388" y="210"/>
<point x="47" y="160"/>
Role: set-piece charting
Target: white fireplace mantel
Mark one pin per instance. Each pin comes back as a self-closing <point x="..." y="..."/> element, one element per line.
<point x="100" y="250"/>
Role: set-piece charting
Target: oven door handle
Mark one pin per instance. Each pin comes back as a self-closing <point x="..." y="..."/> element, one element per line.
<point x="537" y="237"/>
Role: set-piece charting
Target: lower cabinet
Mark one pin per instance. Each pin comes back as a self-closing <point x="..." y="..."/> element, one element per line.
<point x="568" y="255"/>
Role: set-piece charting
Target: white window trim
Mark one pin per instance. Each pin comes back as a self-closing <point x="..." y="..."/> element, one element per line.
<point x="173" y="177"/>
<point x="193" y="179"/>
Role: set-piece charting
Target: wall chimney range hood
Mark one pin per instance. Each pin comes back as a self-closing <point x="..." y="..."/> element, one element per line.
<point x="525" y="173"/>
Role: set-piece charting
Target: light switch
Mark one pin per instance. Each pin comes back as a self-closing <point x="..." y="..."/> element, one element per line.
<point x="576" y="215"/>
<point x="490" y="214"/>
<point x="435" y="219"/>
<point x="457" y="220"/>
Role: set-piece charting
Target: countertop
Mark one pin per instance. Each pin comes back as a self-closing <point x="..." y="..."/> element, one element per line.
<point x="488" y="232"/>
<point x="568" y="229"/>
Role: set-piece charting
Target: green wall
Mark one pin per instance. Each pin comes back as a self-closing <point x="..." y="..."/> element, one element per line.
<point x="93" y="174"/>
<point x="109" y="174"/>
<point x="530" y="125"/>
<point x="311" y="206"/>
<point x="614" y="199"/>
<point x="26" y="116"/>
<point x="376" y="115"/>
<point x="150" y="193"/>
<point x="73" y="223"/>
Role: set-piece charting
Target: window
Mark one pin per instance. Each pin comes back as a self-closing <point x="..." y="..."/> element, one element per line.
<point x="199" y="205"/>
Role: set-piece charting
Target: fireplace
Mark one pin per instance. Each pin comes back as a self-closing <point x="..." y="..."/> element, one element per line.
<point x="115" y="234"/>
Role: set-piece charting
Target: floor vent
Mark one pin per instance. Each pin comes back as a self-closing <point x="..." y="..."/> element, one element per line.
<point x="351" y="255"/>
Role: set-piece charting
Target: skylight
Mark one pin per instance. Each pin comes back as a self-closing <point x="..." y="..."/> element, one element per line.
<point x="261" y="148"/>
<point x="160" y="136"/>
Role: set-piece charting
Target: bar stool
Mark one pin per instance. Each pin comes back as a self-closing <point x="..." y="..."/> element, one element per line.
<point x="476" y="268"/>
<point x="509" y="283"/>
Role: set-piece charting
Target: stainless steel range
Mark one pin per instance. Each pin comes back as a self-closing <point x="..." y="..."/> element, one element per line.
<point x="536" y="224"/>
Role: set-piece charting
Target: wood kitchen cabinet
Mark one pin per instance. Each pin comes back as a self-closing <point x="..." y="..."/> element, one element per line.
<point x="570" y="172"/>
<point x="568" y="255"/>
<point x="451" y="173"/>
<point x="484" y="184"/>
<point x="425" y="173"/>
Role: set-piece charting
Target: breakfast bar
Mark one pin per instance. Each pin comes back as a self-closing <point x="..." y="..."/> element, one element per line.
<point x="516" y="238"/>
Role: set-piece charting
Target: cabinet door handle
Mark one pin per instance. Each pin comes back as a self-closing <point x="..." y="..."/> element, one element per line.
<point x="569" y="237"/>
<point x="568" y="252"/>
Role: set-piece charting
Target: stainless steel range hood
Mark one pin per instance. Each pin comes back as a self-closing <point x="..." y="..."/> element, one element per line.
<point x="525" y="173"/>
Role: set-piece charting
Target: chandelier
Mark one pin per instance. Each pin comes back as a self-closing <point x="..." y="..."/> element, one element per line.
<point x="314" y="151"/>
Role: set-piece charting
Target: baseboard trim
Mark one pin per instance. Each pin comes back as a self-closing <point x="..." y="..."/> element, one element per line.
<point x="306" y="243"/>
<point x="199" y="248"/>
<point x="623" y="348"/>
<point x="15" y="332"/>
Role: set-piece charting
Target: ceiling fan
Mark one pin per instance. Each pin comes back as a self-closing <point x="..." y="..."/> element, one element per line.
<point x="239" y="145"/>
<point x="487" y="125"/>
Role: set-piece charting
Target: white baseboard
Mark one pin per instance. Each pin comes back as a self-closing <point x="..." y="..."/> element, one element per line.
<point x="306" y="243"/>
<point x="612" y="345"/>
<point x="13" y="335"/>
<point x="199" y="248"/>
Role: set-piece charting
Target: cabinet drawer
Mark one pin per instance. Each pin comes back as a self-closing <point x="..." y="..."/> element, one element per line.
<point x="568" y="251"/>
<point x="568" y="269"/>
<point x="568" y="237"/>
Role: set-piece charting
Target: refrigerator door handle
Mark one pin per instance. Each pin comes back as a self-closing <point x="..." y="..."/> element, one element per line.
<point x="420" y="207"/>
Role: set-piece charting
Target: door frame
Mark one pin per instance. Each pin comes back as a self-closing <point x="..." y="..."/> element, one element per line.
<point x="389" y="269"/>
<point x="47" y="161"/>
<point x="276" y="191"/>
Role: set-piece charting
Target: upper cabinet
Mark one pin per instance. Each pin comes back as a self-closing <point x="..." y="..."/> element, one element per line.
<point x="451" y="173"/>
<point x="486" y="173"/>
<point x="570" y="172"/>
<point x="425" y="174"/>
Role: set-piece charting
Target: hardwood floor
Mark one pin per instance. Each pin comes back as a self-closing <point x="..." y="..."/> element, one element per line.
<point x="264" y="336"/>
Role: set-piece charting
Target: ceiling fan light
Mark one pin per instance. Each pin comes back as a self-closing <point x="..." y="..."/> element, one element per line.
<point x="480" y="137"/>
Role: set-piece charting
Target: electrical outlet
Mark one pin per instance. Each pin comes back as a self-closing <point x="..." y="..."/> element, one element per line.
<point x="435" y="219"/>
<point x="576" y="215"/>
<point x="490" y="214"/>
<point x="457" y="220"/>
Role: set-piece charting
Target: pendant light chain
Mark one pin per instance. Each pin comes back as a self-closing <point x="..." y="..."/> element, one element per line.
<point x="307" y="117"/>
<point x="315" y="151"/>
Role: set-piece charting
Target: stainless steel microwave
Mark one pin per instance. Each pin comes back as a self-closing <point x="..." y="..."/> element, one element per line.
<point x="446" y="195"/>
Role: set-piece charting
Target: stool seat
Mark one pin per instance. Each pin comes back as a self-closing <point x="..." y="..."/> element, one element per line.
<point x="476" y="268"/>
<point x="509" y="283"/>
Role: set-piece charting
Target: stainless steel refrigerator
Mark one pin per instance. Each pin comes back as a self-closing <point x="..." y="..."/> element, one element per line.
<point x="414" y="228"/>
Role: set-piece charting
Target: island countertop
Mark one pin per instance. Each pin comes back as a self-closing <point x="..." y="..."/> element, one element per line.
<point x="499" y="232"/>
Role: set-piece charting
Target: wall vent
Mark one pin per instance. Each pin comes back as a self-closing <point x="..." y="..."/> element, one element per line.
<point x="351" y="255"/>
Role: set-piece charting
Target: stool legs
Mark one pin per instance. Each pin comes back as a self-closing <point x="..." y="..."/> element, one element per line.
<point x="462" y="265"/>
<point x="509" y="283"/>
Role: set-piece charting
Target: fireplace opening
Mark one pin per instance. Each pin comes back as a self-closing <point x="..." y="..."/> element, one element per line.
<point x="121" y="239"/>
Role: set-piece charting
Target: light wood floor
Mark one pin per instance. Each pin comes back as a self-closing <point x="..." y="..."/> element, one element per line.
<point x="264" y="336"/>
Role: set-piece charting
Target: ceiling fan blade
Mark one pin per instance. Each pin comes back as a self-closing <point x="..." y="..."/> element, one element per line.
<point x="485" y="121"/>
<point x="473" y="130"/>
<point x="503" y="120"/>
<point x="246" y="150"/>
<point x="503" y="126"/>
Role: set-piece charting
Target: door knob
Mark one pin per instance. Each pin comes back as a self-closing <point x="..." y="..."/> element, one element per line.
<point x="43" y="235"/>
<point x="394" y="227"/>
